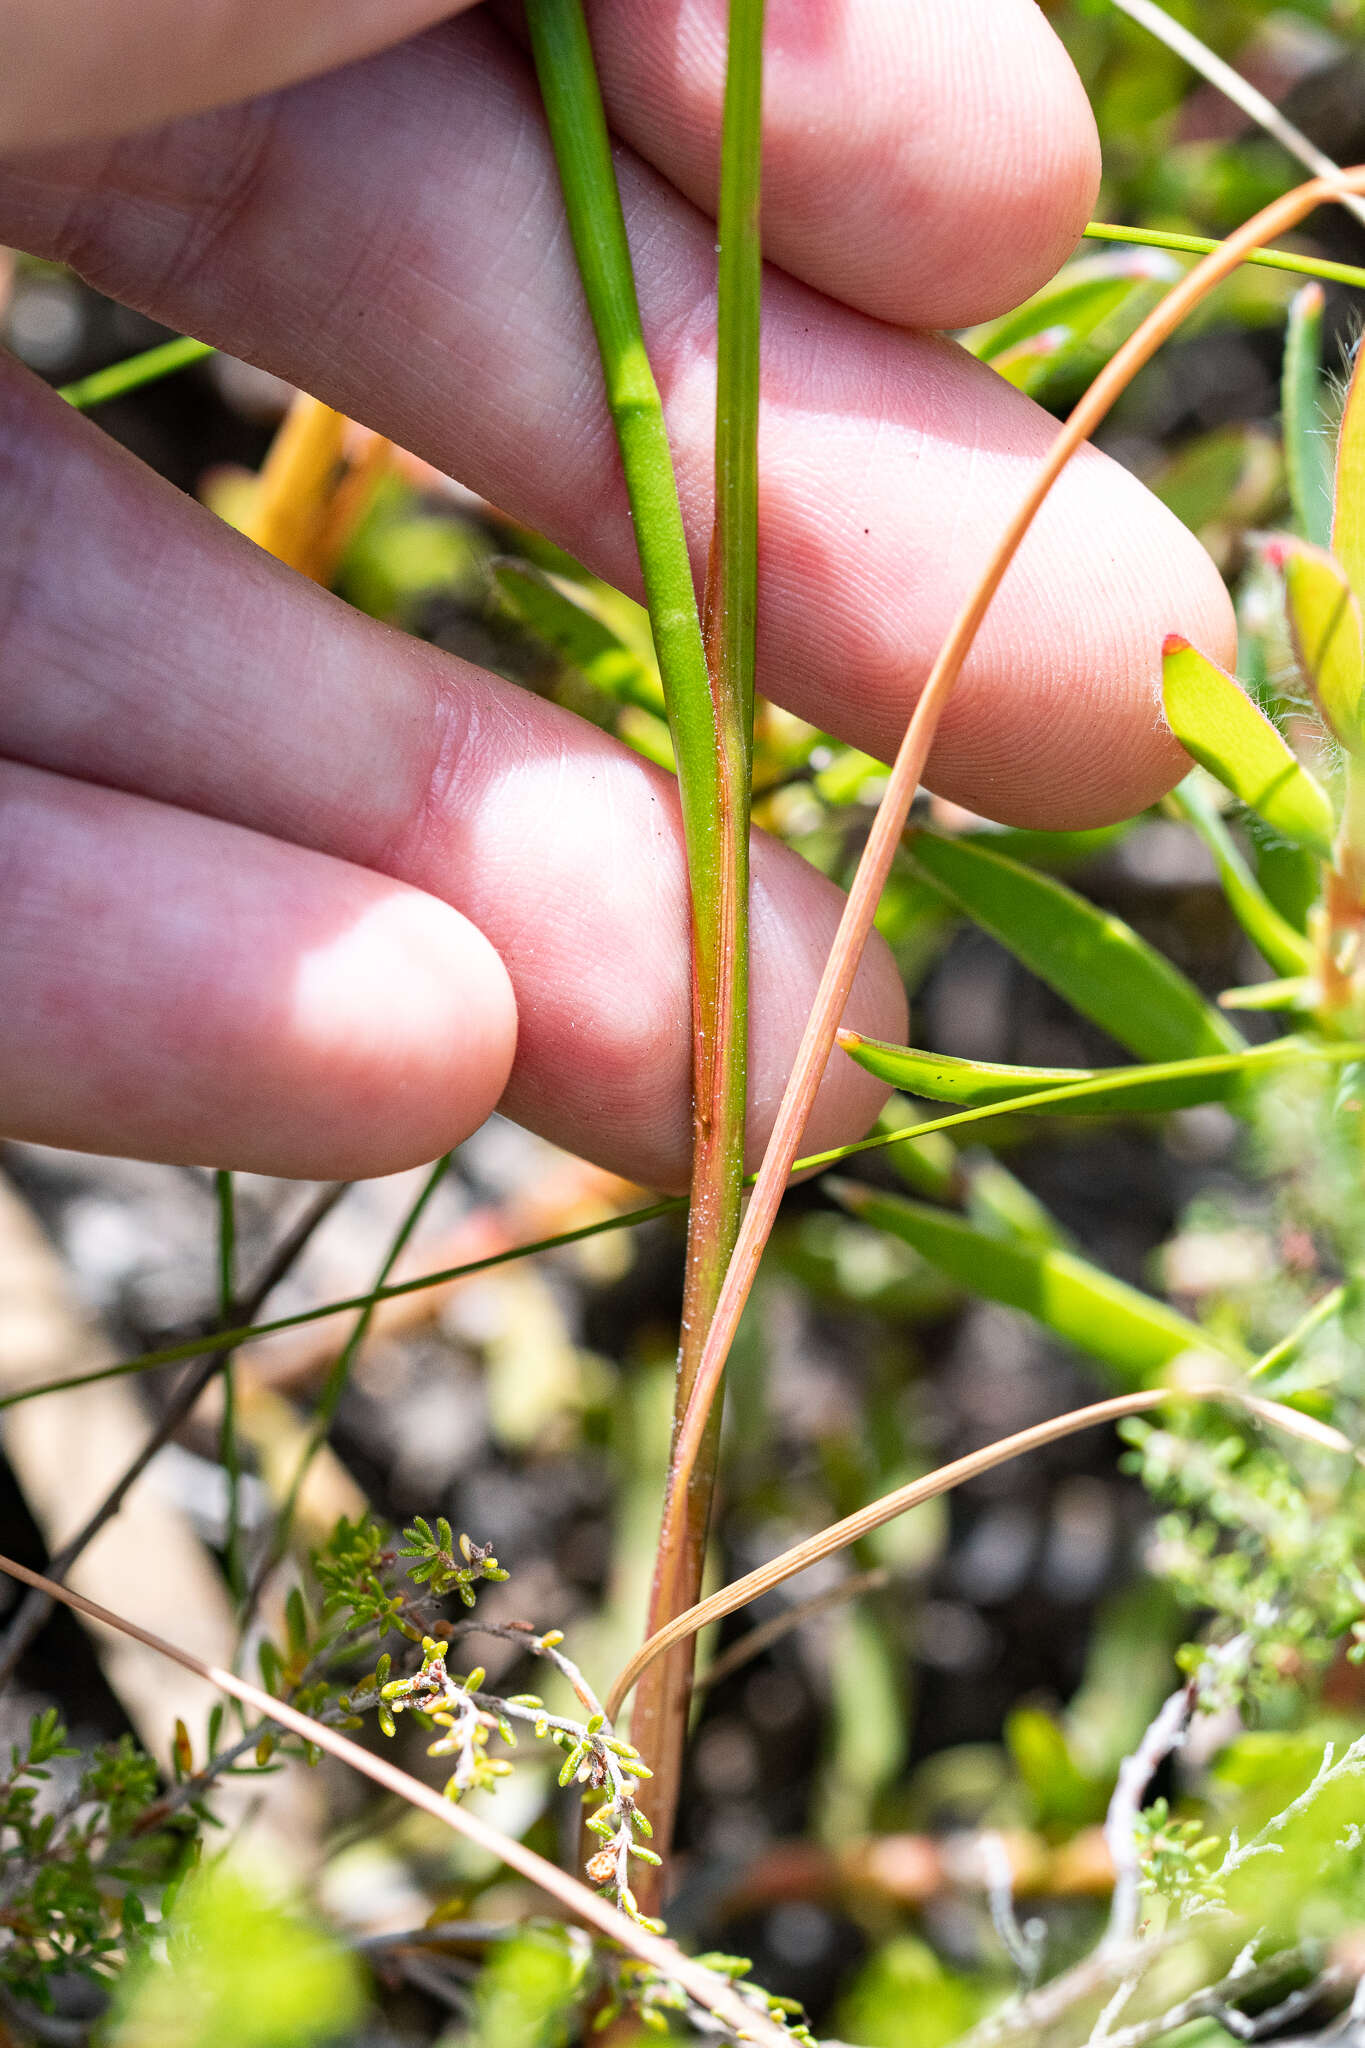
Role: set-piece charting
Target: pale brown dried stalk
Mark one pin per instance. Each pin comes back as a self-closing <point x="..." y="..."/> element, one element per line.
<point x="701" y="1984"/>
<point x="839" y="1535"/>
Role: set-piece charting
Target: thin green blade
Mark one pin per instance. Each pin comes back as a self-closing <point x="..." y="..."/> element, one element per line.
<point x="1307" y="443"/>
<point x="1085" y="1091"/>
<point x="1282" y="948"/>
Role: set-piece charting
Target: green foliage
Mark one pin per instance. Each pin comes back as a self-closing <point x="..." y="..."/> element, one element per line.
<point x="1133" y="1334"/>
<point x="1307" y="441"/>
<point x="240" y="1970"/>
<point x="905" y="1997"/>
<point x="1215" y="721"/>
<point x="1092" y="959"/>
<point x="1271" y="1549"/>
<point x="1079" y="1091"/>
<point x="440" y="1570"/>
<point x="530" y="1988"/>
<point x="85" y="1855"/>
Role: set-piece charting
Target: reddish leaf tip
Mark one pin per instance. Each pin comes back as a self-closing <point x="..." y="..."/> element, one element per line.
<point x="1174" y="643"/>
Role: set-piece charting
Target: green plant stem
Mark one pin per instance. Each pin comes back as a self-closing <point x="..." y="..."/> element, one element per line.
<point x="134" y="371"/>
<point x="1287" y="1350"/>
<point x="709" y="707"/>
<point x="660" y="1715"/>
<point x="335" y="1386"/>
<point x="1203" y="245"/>
<point x="229" y="1454"/>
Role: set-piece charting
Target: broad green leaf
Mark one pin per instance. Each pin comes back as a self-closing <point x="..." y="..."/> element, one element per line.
<point x="1307" y="443"/>
<point x="1324" y="619"/>
<point x="1091" y="958"/>
<point x="1082" y="1091"/>
<point x="1284" y="949"/>
<point x="1028" y="363"/>
<point x="1130" y="1332"/>
<point x="1217" y="723"/>
<point x="1070" y="308"/>
<point x="1348" y="511"/>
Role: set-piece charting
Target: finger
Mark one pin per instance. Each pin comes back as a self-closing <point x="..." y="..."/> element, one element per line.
<point x="407" y="219"/>
<point x="932" y="165"/>
<point x="181" y="989"/>
<point x="72" y="70"/>
<point x="150" y="648"/>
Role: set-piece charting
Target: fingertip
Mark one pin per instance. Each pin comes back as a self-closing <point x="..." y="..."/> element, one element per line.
<point x="409" y="1017"/>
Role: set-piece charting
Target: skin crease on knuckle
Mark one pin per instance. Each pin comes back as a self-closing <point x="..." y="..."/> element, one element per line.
<point x="261" y="700"/>
<point x="868" y="433"/>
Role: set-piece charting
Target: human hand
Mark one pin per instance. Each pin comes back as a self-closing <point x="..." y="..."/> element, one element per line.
<point x="286" y="890"/>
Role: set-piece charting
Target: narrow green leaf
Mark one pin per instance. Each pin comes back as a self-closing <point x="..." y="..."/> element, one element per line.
<point x="1307" y="443"/>
<point x="1282" y="948"/>
<point x="1084" y="1091"/>
<point x="1091" y="958"/>
<point x="133" y="372"/>
<point x="1126" y="1330"/>
<point x="1348" y="509"/>
<point x="1298" y="993"/>
<point x="1216" y="722"/>
<point x="579" y="637"/>
<point x="1325" y="621"/>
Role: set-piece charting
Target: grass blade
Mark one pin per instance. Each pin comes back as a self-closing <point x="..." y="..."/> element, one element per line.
<point x="133" y="372"/>
<point x="1287" y="260"/>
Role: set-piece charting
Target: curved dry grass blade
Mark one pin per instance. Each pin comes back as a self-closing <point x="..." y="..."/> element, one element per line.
<point x="839" y="1535"/>
<point x="856" y="923"/>
<point x="710" y="1991"/>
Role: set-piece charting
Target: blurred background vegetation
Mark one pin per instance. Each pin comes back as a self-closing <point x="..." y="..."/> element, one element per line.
<point x="965" y="1684"/>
